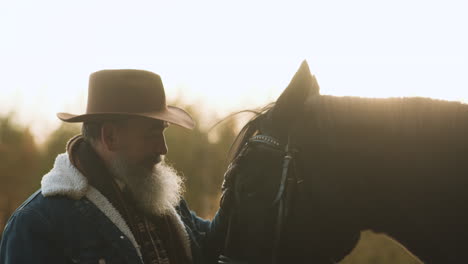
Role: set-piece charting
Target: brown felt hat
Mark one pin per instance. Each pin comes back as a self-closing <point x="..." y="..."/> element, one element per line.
<point x="118" y="93"/>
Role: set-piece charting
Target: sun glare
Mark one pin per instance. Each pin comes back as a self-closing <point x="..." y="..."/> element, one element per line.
<point x="225" y="57"/>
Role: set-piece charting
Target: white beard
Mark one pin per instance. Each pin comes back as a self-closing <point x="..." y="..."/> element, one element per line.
<point x="155" y="191"/>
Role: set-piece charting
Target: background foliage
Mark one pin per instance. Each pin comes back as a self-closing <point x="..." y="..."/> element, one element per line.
<point x="201" y="157"/>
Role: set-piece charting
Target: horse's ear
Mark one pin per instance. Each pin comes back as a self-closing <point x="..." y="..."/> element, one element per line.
<point x="290" y="104"/>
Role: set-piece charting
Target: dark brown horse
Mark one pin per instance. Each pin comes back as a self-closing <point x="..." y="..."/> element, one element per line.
<point x="397" y="166"/>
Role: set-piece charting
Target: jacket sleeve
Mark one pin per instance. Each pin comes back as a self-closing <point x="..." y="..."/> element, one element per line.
<point x="27" y="238"/>
<point x="211" y="234"/>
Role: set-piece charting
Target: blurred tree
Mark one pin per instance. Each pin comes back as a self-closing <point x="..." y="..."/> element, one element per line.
<point x="201" y="161"/>
<point x="19" y="161"/>
<point x="56" y="143"/>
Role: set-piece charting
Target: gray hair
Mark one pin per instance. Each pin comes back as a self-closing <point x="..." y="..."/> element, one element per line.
<point x="91" y="130"/>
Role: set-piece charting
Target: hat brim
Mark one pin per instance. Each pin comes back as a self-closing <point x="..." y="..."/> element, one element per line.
<point x="171" y="114"/>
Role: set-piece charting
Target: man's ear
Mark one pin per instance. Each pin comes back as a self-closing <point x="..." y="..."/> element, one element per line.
<point x="109" y="136"/>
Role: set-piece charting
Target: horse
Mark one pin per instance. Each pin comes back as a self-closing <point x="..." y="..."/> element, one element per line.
<point x="311" y="171"/>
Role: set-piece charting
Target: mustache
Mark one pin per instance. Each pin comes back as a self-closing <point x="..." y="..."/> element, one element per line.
<point x="154" y="160"/>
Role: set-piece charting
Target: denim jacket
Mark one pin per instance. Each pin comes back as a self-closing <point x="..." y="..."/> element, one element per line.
<point x="69" y="221"/>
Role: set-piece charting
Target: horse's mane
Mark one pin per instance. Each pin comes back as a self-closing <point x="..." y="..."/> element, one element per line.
<point x="409" y="117"/>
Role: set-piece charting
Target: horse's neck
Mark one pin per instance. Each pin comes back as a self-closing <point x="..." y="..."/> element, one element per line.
<point x="404" y="175"/>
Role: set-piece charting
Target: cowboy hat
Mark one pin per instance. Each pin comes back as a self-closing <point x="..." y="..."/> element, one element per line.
<point x="120" y="93"/>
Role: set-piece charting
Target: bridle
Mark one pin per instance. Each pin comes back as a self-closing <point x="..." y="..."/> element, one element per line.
<point x="284" y="194"/>
<point x="289" y="181"/>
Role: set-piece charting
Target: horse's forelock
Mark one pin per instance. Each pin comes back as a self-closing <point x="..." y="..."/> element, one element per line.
<point x="249" y="130"/>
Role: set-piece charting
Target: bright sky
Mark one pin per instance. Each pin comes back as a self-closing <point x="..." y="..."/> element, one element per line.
<point x="229" y="55"/>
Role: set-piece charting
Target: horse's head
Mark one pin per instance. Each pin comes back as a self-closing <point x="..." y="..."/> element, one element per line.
<point x="266" y="182"/>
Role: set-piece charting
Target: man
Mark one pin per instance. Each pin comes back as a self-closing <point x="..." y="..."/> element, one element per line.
<point x="110" y="198"/>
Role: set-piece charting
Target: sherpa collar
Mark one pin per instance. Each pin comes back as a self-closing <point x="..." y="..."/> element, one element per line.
<point x="65" y="179"/>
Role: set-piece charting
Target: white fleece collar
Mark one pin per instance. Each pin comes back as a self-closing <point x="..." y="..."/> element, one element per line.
<point x="65" y="179"/>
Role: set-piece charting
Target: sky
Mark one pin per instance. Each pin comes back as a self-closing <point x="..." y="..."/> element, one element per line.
<point x="228" y="55"/>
